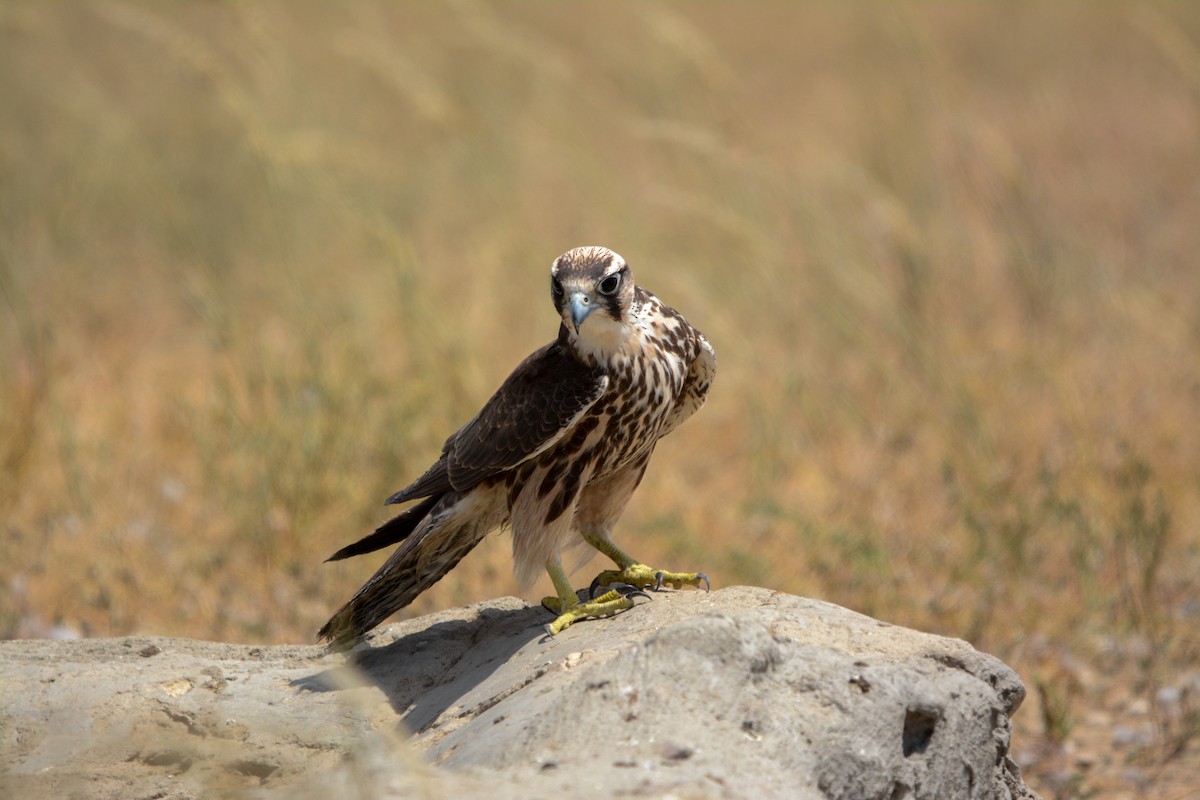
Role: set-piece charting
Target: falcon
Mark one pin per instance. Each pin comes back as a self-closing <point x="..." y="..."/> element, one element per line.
<point x="555" y="454"/>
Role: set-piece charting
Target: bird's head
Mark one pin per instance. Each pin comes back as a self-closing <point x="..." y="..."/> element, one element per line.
<point x="593" y="291"/>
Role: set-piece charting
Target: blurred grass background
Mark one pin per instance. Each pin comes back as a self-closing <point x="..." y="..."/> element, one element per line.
<point x="258" y="259"/>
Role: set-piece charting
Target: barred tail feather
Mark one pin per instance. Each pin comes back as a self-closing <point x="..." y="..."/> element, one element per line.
<point x="457" y="522"/>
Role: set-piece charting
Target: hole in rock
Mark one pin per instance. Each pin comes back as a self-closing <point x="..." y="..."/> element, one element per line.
<point x="919" y="725"/>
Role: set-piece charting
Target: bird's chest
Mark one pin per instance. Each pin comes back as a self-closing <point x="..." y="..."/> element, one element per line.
<point x="643" y="389"/>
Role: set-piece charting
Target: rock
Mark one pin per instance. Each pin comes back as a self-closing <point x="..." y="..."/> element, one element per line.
<point x="738" y="693"/>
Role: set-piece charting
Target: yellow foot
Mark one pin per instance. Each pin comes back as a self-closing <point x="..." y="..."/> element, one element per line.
<point x="641" y="576"/>
<point x="607" y="604"/>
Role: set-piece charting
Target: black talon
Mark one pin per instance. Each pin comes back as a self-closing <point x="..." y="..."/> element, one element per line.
<point x="592" y="589"/>
<point x="658" y="579"/>
<point x="707" y="585"/>
<point x="627" y="590"/>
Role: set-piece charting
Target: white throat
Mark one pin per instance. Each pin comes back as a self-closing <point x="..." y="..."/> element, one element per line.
<point x="600" y="337"/>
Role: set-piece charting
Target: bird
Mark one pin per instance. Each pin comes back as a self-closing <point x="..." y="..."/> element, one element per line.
<point x="555" y="454"/>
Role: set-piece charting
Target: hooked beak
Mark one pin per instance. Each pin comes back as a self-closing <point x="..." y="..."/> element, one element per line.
<point x="581" y="306"/>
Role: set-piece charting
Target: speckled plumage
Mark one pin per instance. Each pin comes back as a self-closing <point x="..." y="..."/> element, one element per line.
<point x="557" y="451"/>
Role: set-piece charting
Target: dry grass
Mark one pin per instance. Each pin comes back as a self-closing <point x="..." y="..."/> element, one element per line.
<point x="257" y="260"/>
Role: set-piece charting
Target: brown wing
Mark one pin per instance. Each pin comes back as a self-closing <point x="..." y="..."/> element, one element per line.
<point x="436" y="480"/>
<point x="542" y="399"/>
<point x="695" y="386"/>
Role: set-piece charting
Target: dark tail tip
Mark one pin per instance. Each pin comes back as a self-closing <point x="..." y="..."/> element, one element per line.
<point x="339" y="632"/>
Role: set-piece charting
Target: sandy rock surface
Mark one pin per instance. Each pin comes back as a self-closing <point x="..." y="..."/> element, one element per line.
<point x="739" y="693"/>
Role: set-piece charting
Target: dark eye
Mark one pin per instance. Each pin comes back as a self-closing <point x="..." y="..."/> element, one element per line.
<point x="556" y="287"/>
<point x="609" y="285"/>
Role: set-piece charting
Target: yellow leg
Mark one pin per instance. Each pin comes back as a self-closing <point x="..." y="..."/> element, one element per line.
<point x="633" y="573"/>
<point x="568" y="606"/>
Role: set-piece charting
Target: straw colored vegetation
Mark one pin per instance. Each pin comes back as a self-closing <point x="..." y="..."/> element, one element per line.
<point x="256" y="261"/>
